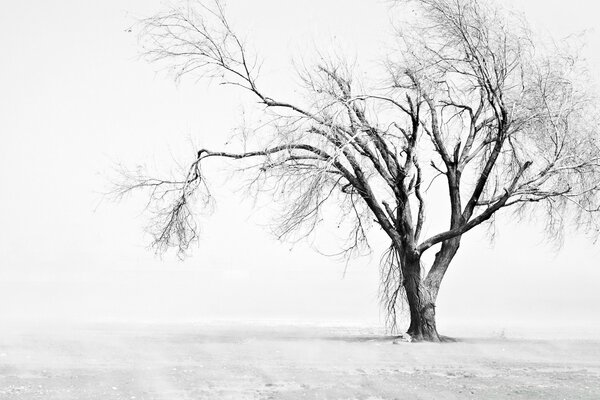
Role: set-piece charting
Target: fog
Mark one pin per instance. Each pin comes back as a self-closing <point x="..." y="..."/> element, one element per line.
<point x="76" y="100"/>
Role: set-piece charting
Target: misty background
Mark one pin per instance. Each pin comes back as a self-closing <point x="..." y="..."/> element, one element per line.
<point x="75" y="100"/>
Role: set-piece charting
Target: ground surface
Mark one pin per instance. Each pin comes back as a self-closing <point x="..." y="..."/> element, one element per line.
<point x="199" y="362"/>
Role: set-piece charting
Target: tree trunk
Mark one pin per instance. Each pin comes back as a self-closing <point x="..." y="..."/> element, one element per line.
<point x="421" y="302"/>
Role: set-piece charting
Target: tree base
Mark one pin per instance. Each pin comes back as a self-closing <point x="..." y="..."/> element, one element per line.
<point x="422" y="327"/>
<point x="437" y="338"/>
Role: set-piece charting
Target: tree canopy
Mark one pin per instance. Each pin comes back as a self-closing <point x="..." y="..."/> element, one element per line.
<point x="469" y="99"/>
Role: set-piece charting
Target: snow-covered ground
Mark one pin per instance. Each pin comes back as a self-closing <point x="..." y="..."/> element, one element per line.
<point x="254" y="361"/>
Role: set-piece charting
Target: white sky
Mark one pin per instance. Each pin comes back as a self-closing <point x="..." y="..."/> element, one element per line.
<point x="74" y="98"/>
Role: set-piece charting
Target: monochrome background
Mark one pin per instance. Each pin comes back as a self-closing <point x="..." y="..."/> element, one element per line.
<point x="75" y="100"/>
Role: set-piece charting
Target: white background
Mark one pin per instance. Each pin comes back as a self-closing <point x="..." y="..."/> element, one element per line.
<point x="74" y="99"/>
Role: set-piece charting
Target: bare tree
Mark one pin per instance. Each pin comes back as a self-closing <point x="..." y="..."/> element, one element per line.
<point x="469" y="97"/>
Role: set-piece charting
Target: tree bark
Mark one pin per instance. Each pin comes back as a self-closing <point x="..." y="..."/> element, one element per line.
<point x="442" y="261"/>
<point x="421" y="303"/>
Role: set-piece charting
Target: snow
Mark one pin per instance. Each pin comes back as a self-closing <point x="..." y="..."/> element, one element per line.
<point x="250" y="361"/>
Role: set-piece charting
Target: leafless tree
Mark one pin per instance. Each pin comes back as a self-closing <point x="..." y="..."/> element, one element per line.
<point x="469" y="99"/>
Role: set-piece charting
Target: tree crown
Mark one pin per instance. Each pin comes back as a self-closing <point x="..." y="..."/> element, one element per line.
<point x="469" y="96"/>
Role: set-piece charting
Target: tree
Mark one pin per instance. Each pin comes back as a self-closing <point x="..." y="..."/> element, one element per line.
<point x="468" y="96"/>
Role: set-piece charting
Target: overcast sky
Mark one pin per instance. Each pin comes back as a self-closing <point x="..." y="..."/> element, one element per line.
<point x="75" y="99"/>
